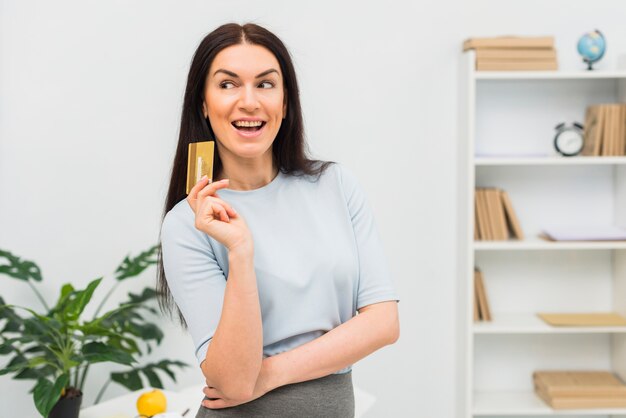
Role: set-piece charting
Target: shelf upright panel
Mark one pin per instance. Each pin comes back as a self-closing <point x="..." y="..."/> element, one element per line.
<point x="465" y="230"/>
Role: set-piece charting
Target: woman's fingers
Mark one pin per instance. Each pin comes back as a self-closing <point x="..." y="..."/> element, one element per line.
<point x="215" y="404"/>
<point x="211" y="188"/>
<point x="193" y="193"/>
<point x="219" y="209"/>
<point x="212" y="393"/>
<point x="210" y="206"/>
<point x="229" y="209"/>
<point x="216" y="399"/>
<point x="203" y="189"/>
<point x="192" y="197"/>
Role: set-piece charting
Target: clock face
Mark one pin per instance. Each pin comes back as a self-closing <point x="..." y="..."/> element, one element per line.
<point x="569" y="142"/>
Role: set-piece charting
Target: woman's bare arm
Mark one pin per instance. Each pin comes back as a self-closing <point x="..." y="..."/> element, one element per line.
<point x="233" y="359"/>
<point x="376" y="326"/>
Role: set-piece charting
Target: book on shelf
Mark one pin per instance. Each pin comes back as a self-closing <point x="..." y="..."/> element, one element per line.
<point x="482" y="311"/>
<point x="605" y="130"/>
<point x="592" y="319"/>
<point x="504" y="65"/>
<point x="522" y="42"/>
<point x="513" y="53"/>
<point x="585" y="233"/>
<point x="494" y="217"/>
<point x="572" y="389"/>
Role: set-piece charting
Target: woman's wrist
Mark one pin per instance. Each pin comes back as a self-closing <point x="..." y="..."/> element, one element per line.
<point x="242" y="251"/>
<point x="271" y="373"/>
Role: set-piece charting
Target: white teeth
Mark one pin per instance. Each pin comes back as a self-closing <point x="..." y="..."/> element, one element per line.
<point x="249" y="124"/>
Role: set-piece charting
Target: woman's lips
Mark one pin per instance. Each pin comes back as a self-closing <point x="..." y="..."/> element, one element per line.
<point x="250" y="134"/>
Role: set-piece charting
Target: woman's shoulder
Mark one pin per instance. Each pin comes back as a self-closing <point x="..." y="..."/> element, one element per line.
<point x="342" y="176"/>
<point x="332" y="171"/>
<point x="180" y="211"/>
<point x="179" y="219"/>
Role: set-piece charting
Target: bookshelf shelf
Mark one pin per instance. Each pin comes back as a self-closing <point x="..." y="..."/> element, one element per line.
<point x="526" y="403"/>
<point x="548" y="75"/>
<point x="541" y="161"/>
<point x="543" y="245"/>
<point x="506" y="129"/>
<point x="529" y="323"/>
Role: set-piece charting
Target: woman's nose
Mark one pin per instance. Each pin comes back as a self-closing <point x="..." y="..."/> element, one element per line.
<point x="248" y="100"/>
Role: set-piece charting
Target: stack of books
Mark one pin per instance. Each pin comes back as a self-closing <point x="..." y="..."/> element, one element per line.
<point x="605" y="130"/>
<point x="482" y="312"/>
<point x="495" y="218"/>
<point x="513" y="53"/>
<point x="580" y="389"/>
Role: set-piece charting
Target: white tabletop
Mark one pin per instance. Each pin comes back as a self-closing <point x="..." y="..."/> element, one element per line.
<point x="125" y="406"/>
<point x="189" y="398"/>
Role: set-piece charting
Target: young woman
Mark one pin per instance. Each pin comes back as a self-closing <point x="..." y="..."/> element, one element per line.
<point x="269" y="264"/>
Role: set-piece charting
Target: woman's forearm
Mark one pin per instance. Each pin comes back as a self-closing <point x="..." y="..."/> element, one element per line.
<point x="338" y="348"/>
<point x="233" y="359"/>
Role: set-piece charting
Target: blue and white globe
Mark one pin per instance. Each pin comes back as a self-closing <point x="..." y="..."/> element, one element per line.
<point x="591" y="47"/>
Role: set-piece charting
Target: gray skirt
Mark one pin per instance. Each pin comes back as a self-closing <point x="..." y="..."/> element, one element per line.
<point x="330" y="396"/>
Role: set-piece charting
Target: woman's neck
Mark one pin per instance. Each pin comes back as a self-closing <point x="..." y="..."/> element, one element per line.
<point x="247" y="177"/>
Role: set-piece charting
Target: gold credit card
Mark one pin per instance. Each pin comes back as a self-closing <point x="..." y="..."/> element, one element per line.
<point x="199" y="162"/>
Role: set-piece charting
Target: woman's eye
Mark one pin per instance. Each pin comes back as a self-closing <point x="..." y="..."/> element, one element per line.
<point x="267" y="84"/>
<point x="226" y="84"/>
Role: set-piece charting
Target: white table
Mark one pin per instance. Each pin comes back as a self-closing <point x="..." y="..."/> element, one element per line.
<point x="189" y="398"/>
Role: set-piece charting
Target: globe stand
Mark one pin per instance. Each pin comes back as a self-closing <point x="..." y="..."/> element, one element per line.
<point x="589" y="65"/>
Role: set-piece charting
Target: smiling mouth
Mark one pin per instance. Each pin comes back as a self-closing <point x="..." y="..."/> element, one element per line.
<point x="248" y="126"/>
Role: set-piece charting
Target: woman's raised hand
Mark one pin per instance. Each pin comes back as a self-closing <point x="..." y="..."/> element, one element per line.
<point x="217" y="218"/>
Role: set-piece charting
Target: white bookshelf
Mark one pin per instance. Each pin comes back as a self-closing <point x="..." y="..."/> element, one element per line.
<point x="530" y="323"/>
<point x="506" y="130"/>
<point x="547" y="160"/>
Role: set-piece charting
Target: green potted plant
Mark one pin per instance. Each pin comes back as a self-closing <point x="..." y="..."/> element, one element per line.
<point x="56" y="347"/>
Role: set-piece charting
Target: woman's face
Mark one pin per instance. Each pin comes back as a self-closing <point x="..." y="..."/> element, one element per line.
<point x="244" y="100"/>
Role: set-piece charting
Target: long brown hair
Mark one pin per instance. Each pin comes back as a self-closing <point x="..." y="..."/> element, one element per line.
<point x="289" y="149"/>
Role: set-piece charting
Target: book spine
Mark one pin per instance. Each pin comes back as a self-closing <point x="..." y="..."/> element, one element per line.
<point x="510" y="42"/>
<point x="539" y="65"/>
<point x="515" y="54"/>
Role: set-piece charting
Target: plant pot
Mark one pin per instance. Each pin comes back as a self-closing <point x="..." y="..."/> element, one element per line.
<point x="67" y="406"/>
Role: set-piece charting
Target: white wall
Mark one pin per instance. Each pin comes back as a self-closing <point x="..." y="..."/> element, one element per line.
<point x="89" y="107"/>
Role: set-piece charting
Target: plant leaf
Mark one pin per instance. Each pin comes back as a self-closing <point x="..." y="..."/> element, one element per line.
<point x="66" y="292"/>
<point x="79" y="299"/>
<point x="165" y="364"/>
<point x="35" y="373"/>
<point x="6" y="348"/>
<point x="132" y="267"/>
<point x="153" y="378"/>
<point x="146" y="295"/>
<point x="129" y="379"/>
<point x="23" y="270"/>
<point x="47" y="394"/>
<point x="14" y="322"/>
<point x="95" y="352"/>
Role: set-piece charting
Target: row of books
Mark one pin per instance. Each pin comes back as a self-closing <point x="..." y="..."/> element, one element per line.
<point x="495" y="218"/>
<point x="580" y="389"/>
<point x="513" y="53"/>
<point x="482" y="312"/>
<point x="605" y="130"/>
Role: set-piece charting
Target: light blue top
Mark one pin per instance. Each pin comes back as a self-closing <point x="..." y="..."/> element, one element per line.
<point x="317" y="257"/>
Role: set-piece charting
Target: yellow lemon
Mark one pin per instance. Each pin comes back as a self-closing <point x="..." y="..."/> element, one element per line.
<point x="151" y="403"/>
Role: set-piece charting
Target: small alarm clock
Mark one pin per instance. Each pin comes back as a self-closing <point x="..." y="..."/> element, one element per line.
<point x="569" y="139"/>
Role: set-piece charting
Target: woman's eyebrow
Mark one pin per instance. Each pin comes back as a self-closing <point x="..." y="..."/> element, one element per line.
<point x="230" y="73"/>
